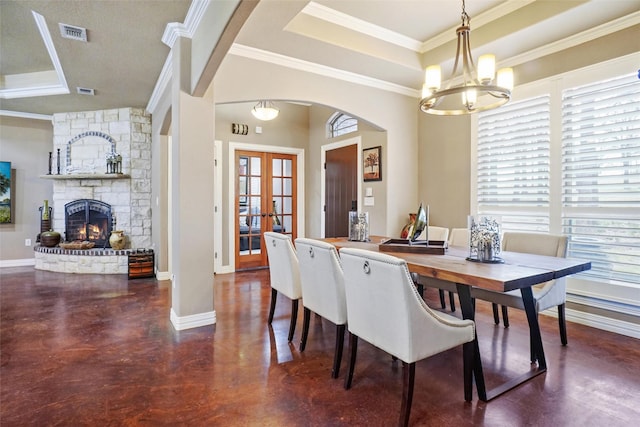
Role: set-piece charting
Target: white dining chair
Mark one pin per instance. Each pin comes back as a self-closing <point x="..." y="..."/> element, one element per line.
<point x="322" y="283"/>
<point x="284" y="274"/>
<point x="546" y="295"/>
<point x="439" y="234"/>
<point x="385" y="309"/>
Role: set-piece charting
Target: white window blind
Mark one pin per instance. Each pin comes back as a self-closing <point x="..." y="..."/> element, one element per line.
<point x="514" y="164"/>
<point x="601" y="176"/>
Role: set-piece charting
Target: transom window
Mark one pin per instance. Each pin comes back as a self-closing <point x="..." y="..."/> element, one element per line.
<point x="341" y="124"/>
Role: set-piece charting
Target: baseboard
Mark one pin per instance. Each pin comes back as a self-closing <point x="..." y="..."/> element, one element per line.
<point x="193" y="320"/>
<point x="225" y="269"/>
<point x="17" y="262"/>
<point x="599" y="322"/>
<point x="163" y="275"/>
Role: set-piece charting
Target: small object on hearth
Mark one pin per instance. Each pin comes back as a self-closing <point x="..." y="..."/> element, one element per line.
<point x="77" y="244"/>
<point x="117" y="240"/>
<point x="50" y="238"/>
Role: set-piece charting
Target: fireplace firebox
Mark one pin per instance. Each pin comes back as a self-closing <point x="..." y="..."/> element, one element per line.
<point x="88" y="219"/>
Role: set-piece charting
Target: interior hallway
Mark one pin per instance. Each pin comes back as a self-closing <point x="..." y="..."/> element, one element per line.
<point x="100" y="350"/>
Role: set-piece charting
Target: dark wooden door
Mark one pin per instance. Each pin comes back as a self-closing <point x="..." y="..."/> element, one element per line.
<point x="341" y="189"/>
<point x="266" y="200"/>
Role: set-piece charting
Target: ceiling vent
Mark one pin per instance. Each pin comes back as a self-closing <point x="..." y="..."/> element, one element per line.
<point x="73" y="33"/>
<point x="85" y="91"/>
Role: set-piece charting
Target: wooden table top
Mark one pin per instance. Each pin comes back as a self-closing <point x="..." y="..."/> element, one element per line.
<point x="518" y="270"/>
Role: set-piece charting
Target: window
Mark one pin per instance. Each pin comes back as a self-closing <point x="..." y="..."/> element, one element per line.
<point x="601" y="176"/>
<point x="564" y="157"/>
<point x="513" y="164"/>
<point x="341" y="124"/>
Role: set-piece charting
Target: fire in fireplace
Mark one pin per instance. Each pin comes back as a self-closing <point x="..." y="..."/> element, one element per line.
<point x="88" y="219"/>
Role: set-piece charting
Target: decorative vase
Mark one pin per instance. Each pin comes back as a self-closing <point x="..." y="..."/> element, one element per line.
<point x="484" y="239"/>
<point x="408" y="228"/>
<point x="117" y="240"/>
<point x="50" y="238"/>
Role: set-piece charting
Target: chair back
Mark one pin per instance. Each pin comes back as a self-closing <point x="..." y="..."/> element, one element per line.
<point x="322" y="279"/>
<point x="553" y="292"/>
<point x="535" y="243"/>
<point x="459" y="237"/>
<point x="438" y="233"/>
<point x="385" y="309"/>
<point x="283" y="264"/>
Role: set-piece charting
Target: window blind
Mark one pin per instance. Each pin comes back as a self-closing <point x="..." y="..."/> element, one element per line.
<point x="514" y="163"/>
<point x="601" y="176"/>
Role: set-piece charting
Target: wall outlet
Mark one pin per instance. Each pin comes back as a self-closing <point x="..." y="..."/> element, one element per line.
<point x="27" y="242"/>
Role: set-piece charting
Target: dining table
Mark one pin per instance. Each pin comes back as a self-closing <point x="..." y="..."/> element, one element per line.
<point x="514" y="271"/>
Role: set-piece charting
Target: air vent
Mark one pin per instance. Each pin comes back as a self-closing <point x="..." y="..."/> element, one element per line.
<point x="85" y="91"/>
<point x="73" y="33"/>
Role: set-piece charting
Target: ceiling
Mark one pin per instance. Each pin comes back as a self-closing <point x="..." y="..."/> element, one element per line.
<point x="383" y="43"/>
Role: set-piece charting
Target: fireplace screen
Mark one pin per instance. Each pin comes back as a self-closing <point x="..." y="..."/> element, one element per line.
<point x="89" y="220"/>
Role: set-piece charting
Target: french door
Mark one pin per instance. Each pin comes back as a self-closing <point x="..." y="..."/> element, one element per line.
<point x="265" y="200"/>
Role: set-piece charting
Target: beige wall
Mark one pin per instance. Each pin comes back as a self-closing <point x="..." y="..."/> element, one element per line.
<point x="26" y="143"/>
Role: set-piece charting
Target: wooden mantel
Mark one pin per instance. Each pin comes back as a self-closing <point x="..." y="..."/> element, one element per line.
<point x="88" y="176"/>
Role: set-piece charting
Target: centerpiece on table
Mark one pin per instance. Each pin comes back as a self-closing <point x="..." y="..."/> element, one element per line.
<point x="484" y="240"/>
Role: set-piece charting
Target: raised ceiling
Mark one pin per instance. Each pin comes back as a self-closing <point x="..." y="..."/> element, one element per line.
<point x="386" y="43"/>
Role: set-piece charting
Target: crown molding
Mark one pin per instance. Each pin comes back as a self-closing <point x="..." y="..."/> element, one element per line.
<point x="347" y="21"/>
<point x="478" y="21"/>
<point x="323" y="70"/>
<point x="55" y="84"/>
<point x="172" y="31"/>
<point x="575" y="40"/>
<point x="23" y="115"/>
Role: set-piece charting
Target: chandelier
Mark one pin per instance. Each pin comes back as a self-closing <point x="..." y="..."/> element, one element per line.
<point x="265" y="110"/>
<point x="479" y="90"/>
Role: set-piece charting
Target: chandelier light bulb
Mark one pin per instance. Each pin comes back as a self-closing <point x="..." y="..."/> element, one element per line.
<point x="486" y="68"/>
<point x="432" y="77"/>
<point x="505" y="78"/>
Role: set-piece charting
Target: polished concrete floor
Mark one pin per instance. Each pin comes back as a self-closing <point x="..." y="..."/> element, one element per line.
<point x="89" y="350"/>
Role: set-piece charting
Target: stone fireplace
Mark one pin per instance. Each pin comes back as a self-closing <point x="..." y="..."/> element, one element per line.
<point x="83" y="143"/>
<point x="88" y="220"/>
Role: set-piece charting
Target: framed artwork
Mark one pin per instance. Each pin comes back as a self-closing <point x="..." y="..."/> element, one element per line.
<point x="5" y="192"/>
<point x="372" y="163"/>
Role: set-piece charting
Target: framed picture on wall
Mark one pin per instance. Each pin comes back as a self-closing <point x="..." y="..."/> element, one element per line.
<point x="372" y="163"/>
<point x="5" y="192"/>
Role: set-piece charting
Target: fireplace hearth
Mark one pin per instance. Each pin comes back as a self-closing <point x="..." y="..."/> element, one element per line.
<point x="88" y="220"/>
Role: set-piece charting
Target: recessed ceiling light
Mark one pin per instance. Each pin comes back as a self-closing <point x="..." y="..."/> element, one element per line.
<point x="73" y="32"/>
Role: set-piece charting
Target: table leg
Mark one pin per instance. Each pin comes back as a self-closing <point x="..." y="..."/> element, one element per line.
<point x="537" y="350"/>
<point x="471" y="349"/>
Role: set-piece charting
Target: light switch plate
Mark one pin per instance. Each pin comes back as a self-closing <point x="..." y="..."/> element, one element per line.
<point x="369" y="201"/>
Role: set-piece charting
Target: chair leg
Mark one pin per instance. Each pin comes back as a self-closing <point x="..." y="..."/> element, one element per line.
<point x="452" y="301"/>
<point x="408" y="379"/>
<point x="442" y="303"/>
<point x="272" y="308"/>
<point x="505" y="316"/>
<point x="305" y="328"/>
<point x="353" y="350"/>
<point x="562" y="323"/>
<point x="337" y="357"/>
<point x="294" y="318"/>
<point x="496" y="316"/>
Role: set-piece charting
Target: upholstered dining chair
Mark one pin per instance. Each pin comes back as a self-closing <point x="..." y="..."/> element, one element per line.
<point x="322" y="283"/>
<point x="284" y="274"/>
<point x="441" y="234"/>
<point x="385" y="309"/>
<point x="546" y="295"/>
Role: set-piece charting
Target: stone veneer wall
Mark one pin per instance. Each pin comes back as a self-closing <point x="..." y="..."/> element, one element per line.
<point x="130" y="198"/>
